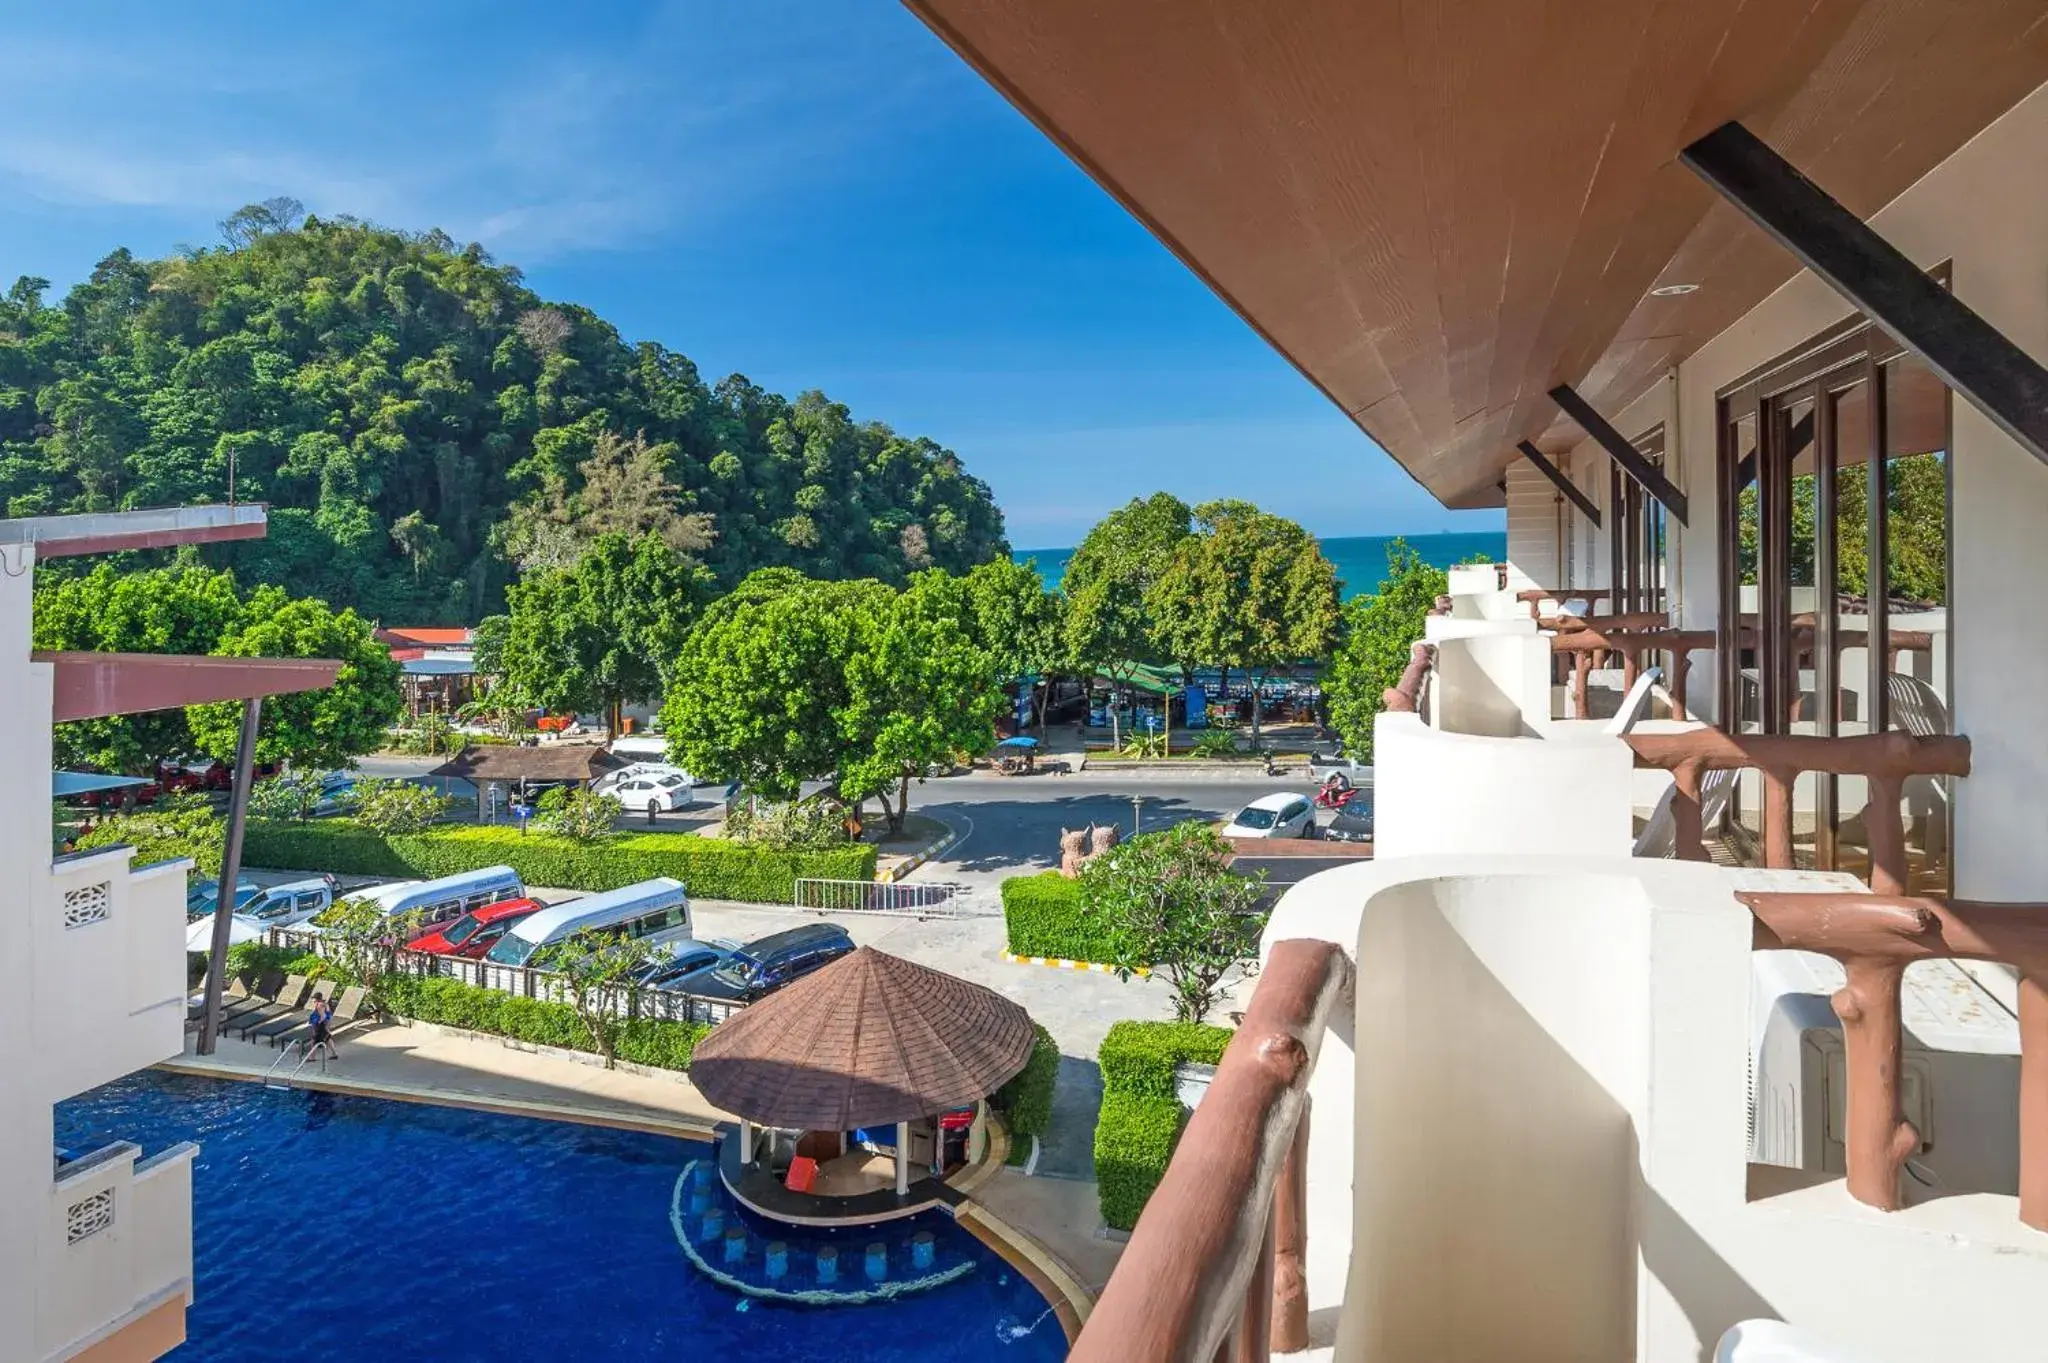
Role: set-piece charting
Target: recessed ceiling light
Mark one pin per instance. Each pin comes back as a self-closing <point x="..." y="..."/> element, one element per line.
<point x="1673" y="290"/>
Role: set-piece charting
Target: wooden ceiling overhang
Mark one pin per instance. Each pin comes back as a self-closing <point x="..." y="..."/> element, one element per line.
<point x="1440" y="210"/>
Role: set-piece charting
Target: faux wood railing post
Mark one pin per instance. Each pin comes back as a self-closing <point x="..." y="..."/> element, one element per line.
<point x="1873" y="1053"/>
<point x="1688" y="834"/>
<point x="1778" y="817"/>
<point x="1251" y="1344"/>
<point x="1886" y="829"/>
<point x="1582" y="666"/>
<point x="1290" y="1245"/>
<point x="1207" y="1240"/>
<point x="2034" y="1101"/>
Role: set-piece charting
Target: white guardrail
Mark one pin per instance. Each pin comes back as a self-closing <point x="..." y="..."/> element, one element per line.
<point x="914" y="898"/>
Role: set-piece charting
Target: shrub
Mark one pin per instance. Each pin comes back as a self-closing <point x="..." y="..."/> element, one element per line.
<point x="1140" y="1057"/>
<point x="537" y="1022"/>
<point x="1134" y="1139"/>
<point x="398" y="806"/>
<point x="1141" y="1115"/>
<point x="712" y="867"/>
<point x="180" y="826"/>
<point x="287" y="795"/>
<point x="806" y="824"/>
<point x="1215" y="743"/>
<point x="1044" y="916"/>
<point x="577" y="814"/>
<point x="1026" y="1101"/>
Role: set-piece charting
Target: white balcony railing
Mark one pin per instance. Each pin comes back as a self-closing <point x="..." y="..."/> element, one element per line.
<point x="117" y="1244"/>
<point x="110" y="965"/>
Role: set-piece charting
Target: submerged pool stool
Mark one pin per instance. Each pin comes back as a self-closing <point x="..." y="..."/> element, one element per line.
<point x="828" y="1263"/>
<point x="877" y="1261"/>
<point x="735" y="1244"/>
<point x="713" y="1224"/>
<point x="921" y="1251"/>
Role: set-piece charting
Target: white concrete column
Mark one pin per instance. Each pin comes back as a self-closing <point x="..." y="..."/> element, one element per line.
<point x="746" y="1144"/>
<point x="902" y="1158"/>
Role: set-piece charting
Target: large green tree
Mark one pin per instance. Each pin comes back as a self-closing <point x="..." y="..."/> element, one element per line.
<point x="757" y="691"/>
<point x="1169" y="901"/>
<point x="1248" y="589"/>
<point x="919" y="689"/>
<point x="397" y="398"/>
<point x="310" y="728"/>
<point x="172" y="610"/>
<point x="1379" y="632"/>
<point x="1017" y="622"/>
<point x="598" y="633"/>
<point x="1108" y="626"/>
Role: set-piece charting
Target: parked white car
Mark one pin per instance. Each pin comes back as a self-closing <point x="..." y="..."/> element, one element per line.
<point x="1282" y="814"/>
<point x="649" y="785"/>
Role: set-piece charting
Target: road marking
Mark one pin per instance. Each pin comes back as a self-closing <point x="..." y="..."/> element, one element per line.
<point x="1061" y="963"/>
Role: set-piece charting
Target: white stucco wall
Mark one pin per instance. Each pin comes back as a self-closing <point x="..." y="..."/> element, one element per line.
<point x="1443" y="792"/>
<point x="1547" y="1153"/>
<point x="1496" y="684"/>
<point x="79" y="1005"/>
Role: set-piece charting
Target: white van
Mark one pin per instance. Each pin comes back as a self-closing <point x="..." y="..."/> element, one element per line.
<point x="284" y="906"/>
<point x="450" y="897"/>
<point x="654" y="912"/>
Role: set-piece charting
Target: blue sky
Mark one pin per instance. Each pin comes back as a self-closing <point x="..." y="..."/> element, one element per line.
<point x="815" y="194"/>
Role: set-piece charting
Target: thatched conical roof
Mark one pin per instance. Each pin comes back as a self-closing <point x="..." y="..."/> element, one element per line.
<point x="870" y="1039"/>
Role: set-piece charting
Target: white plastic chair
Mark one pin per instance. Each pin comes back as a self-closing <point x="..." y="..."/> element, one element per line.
<point x="1636" y="703"/>
<point x="1659" y="837"/>
<point x="1773" y="1341"/>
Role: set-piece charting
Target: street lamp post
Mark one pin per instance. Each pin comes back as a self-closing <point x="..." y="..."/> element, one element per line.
<point x="1136" y="800"/>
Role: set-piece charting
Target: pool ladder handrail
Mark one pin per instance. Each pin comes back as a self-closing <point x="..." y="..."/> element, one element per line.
<point x="269" y="1076"/>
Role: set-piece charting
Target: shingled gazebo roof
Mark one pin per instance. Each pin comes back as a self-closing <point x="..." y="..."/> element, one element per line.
<point x="544" y="762"/>
<point x="870" y="1039"/>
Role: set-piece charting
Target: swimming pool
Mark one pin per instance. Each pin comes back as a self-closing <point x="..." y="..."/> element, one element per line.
<point x="331" y="1227"/>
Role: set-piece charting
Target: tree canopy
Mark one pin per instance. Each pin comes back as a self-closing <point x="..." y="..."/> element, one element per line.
<point x="599" y="631"/>
<point x="1111" y="573"/>
<point x="1379" y="631"/>
<point x="790" y="679"/>
<point x="189" y="609"/>
<point x="1248" y="589"/>
<point x="421" y="422"/>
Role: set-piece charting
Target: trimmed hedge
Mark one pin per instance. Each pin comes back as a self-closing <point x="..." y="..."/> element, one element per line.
<point x="711" y="867"/>
<point x="1026" y="1101"/>
<point x="1043" y="917"/>
<point x="1141" y="1116"/>
<point x="1139" y="1058"/>
<point x="645" y="1041"/>
<point x="253" y="960"/>
<point x="1134" y="1138"/>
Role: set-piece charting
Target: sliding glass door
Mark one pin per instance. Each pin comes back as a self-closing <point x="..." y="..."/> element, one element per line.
<point x="1834" y="586"/>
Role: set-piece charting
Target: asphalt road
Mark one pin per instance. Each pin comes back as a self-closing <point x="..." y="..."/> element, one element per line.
<point x="1012" y="823"/>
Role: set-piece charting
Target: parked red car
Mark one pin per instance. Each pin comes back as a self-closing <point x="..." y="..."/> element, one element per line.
<point x="472" y="934"/>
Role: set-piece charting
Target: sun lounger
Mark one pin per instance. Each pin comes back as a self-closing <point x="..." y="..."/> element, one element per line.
<point x="235" y="994"/>
<point x="268" y="991"/>
<point x="290" y="1000"/>
<point x="262" y="1003"/>
<point x="285" y="1022"/>
<point x="346" y="1009"/>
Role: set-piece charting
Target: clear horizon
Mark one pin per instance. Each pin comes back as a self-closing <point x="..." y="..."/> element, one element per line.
<point x="826" y="198"/>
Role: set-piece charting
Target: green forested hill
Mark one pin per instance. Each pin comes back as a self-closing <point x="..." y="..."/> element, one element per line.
<point x="422" y="424"/>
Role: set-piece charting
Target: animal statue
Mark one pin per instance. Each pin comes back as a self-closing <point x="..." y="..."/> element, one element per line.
<point x="1102" y="837"/>
<point x="1072" y="841"/>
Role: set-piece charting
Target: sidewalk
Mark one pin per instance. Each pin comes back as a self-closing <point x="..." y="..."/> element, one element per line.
<point x="431" y="1065"/>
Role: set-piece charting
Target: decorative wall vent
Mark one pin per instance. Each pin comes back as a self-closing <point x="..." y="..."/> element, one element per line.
<point x="87" y="904"/>
<point x="89" y="1217"/>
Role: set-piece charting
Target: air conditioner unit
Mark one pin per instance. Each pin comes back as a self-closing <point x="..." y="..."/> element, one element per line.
<point x="1959" y="1086"/>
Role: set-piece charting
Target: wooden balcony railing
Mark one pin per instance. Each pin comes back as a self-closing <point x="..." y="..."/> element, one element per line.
<point x="1885" y="760"/>
<point x="1216" y="1267"/>
<point x="1875" y="937"/>
<point x="1588" y="647"/>
<point x="1405" y="696"/>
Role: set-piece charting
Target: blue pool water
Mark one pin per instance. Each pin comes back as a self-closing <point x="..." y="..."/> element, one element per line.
<point x="336" y="1228"/>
